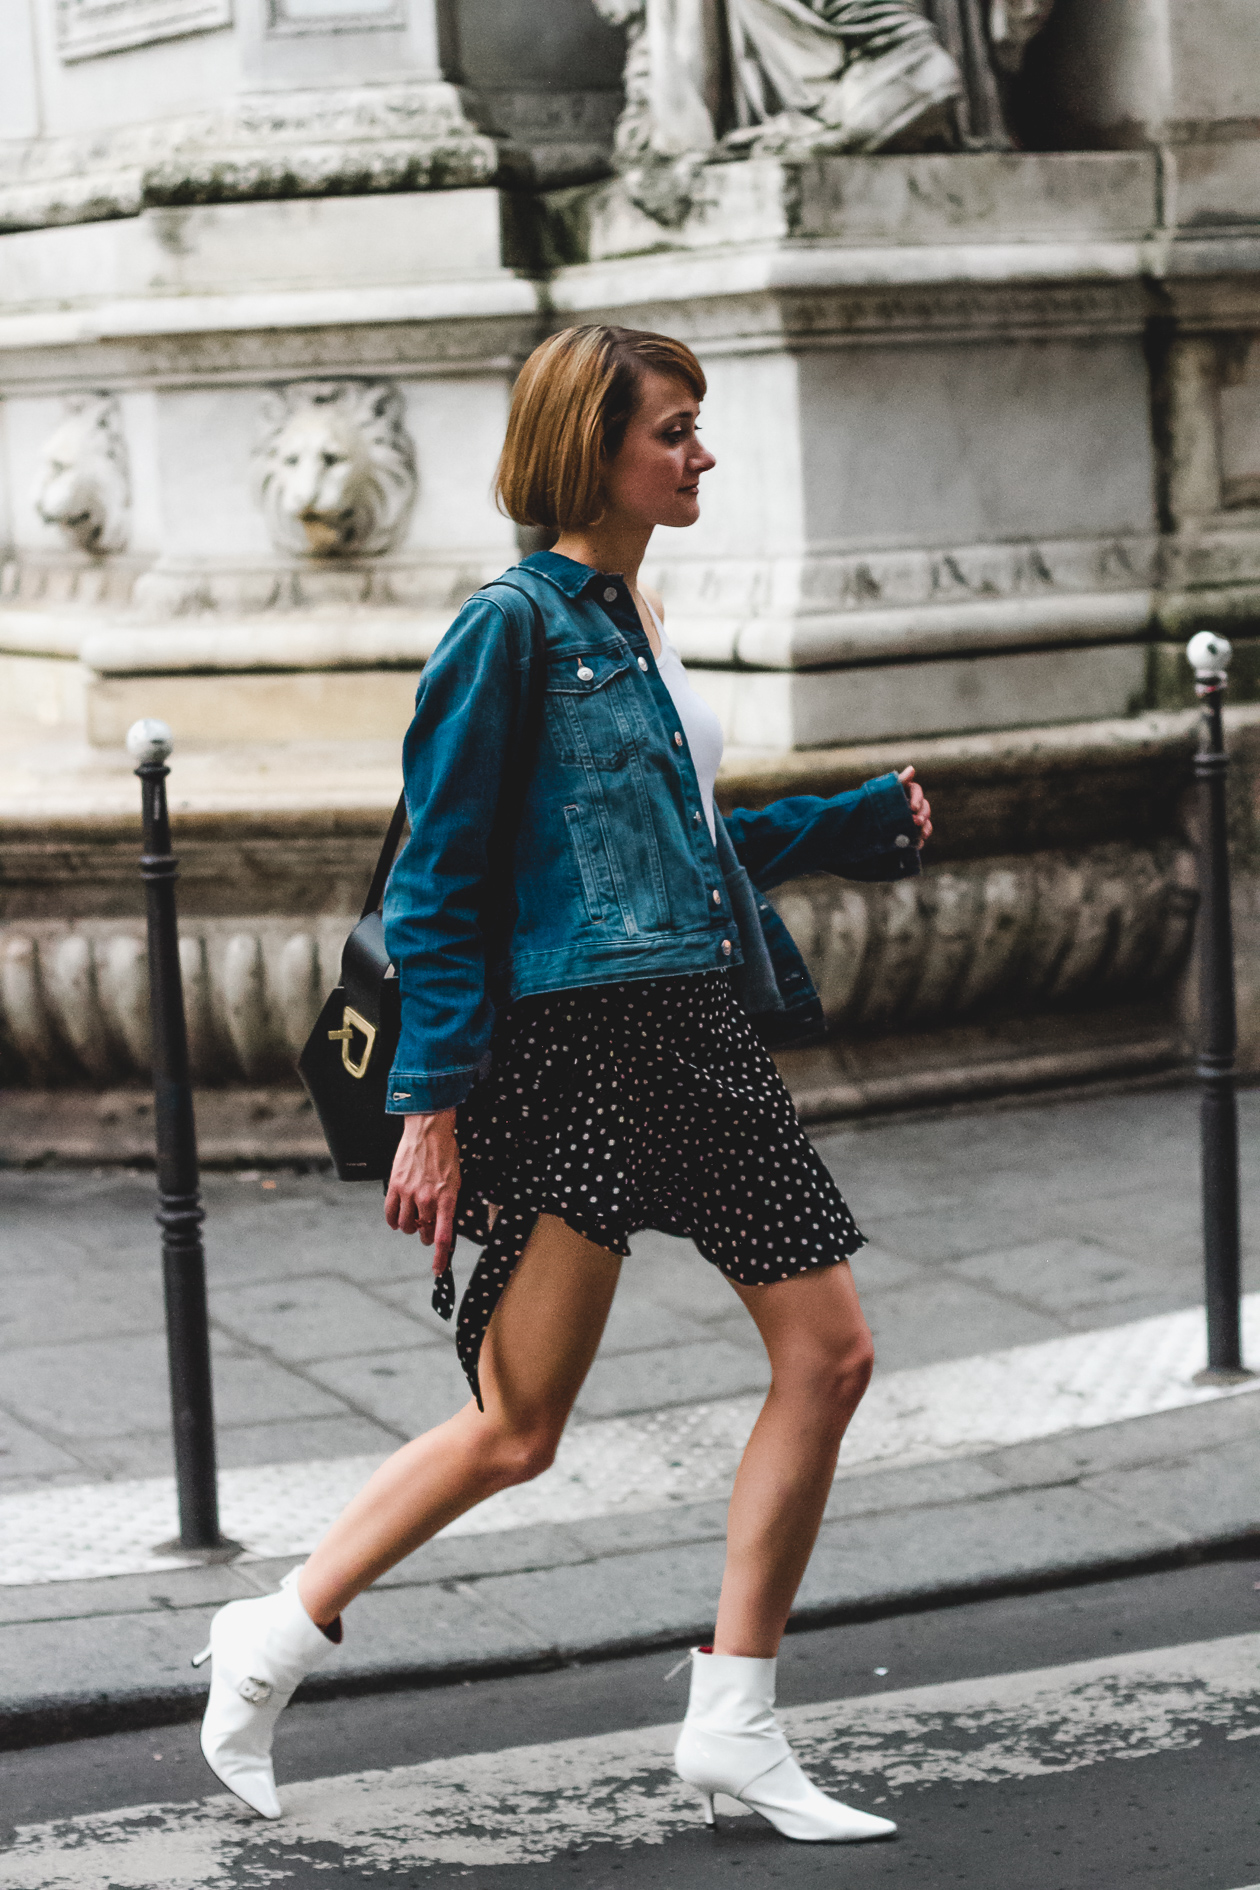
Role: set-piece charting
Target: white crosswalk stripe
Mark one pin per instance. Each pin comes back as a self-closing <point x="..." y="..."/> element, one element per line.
<point x="629" y="1465"/>
<point x="532" y="1803"/>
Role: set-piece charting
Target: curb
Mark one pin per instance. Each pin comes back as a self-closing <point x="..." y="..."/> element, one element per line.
<point x="36" y="1722"/>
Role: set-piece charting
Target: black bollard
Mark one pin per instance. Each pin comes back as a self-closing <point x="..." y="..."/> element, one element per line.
<point x="180" y="1212"/>
<point x="1218" y="1038"/>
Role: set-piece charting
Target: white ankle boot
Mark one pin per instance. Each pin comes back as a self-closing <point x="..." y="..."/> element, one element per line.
<point x="730" y="1742"/>
<point x="260" y="1649"/>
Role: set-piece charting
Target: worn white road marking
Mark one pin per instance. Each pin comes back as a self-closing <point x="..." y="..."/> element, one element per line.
<point x="531" y="1803"/>
<point x="662" y="1458"/>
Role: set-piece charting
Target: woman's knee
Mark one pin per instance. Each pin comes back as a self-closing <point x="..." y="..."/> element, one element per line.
<point x="834" y="1376"/>
<point x="514" y="1454"/>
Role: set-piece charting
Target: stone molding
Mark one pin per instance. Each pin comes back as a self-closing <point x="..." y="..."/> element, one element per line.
<point x="1021" y="933"/>
<point x="787" y="613"/>
<point x="352" y="140"/>
<point x="1024" y="933"/>
<point x="86" y="28"/>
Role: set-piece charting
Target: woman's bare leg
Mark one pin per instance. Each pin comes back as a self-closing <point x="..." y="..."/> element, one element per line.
<point x="537" y="1351"/>
<point x="820" y="1360"/>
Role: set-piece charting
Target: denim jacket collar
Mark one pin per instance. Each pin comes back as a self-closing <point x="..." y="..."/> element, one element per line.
<point x="569" y="577"/>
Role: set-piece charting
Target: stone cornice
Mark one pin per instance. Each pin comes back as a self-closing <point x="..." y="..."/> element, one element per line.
<point x="411" y="135"/>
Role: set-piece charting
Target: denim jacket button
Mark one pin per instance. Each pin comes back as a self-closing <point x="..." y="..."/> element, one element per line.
<point x="901" y="839"/>
<point x="696" y="816"/>
<point x="726" y="946"/>
<point x="677" y="738"/>
<point x="717" y="897"/>
<point x="610" y="593"/>
<point x="643" y="663"/>
<point x="585" y="675"/>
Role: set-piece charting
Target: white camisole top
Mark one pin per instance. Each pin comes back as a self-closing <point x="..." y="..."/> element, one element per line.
<point x="699" y="723"/>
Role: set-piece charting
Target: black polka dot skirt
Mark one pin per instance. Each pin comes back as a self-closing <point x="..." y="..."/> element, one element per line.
<point x="624" y="1106"/>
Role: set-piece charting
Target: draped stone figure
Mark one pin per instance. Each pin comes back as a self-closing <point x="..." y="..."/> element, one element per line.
<point x="987" y="40"/>
<point x="724" y="78"/>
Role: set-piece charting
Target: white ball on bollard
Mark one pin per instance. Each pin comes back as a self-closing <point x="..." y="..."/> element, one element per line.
<point x="149" y="740"/>
<point x="1207" y="651"/>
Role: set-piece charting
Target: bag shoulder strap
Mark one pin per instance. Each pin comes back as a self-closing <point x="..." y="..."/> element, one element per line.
<point x="533" y="716"/>
<point x="389" y="847"/>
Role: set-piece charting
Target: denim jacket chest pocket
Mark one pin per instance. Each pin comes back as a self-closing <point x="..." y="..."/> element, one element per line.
<point x="593" y="715"/>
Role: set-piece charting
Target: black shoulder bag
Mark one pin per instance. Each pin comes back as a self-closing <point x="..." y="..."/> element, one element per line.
<point x="346" y="1062"/>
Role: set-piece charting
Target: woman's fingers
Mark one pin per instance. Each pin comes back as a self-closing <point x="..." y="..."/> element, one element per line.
<point x="920" y="806"/>
<point x="444" y="1234"/>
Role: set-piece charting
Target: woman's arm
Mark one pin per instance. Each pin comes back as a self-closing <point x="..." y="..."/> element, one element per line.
<point x="469" y="711"/>
<point x="872" y="832"/>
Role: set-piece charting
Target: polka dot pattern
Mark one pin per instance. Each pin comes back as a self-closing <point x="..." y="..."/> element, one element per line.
<point x="624" y="1106"/>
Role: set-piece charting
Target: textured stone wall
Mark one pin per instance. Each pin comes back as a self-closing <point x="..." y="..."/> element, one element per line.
<point x="1023" y="934"/>
<point x="1048" y="939"/>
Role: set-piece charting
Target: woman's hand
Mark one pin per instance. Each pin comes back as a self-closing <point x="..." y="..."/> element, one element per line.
<point x="424" y="1184"/>
<point x="920" y="806"/>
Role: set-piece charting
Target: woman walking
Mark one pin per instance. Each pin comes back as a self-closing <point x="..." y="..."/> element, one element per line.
<point x="578" y="948"/>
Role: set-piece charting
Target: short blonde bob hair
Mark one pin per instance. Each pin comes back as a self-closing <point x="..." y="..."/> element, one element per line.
<point x="572" y="403"/>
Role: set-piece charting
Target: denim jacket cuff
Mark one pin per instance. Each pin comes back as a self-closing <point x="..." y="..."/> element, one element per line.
<point x="411" y="1093"/>
<point x="890" y="809"/>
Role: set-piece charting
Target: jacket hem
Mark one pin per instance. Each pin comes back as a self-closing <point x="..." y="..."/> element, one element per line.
<point x="536" y="972"/>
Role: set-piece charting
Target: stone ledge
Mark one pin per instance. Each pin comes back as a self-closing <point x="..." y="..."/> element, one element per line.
<point x="67" y="811"/>
<point x="405" y="136"/>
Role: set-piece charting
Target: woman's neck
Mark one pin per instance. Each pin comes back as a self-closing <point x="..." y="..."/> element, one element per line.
<point x="614" y="547"/>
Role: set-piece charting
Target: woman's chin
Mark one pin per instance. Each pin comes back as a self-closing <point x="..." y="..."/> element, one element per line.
<point x="682" y="512"/>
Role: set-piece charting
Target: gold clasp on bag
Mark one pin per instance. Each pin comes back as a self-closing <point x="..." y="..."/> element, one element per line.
<point x="350" y="1022"/>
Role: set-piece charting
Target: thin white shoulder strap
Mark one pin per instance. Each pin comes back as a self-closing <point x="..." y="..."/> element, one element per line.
<point x="660" y="627"/>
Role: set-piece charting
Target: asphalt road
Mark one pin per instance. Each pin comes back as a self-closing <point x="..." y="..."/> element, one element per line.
<point x="1139" y="1769"/>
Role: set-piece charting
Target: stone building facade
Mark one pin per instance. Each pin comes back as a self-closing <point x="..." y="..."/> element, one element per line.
<point x="988" y="431"/>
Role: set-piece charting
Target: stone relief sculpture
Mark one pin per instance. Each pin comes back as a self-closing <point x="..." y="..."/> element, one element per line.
<point x="335" y="471"/>
<point x="84" y="483"/>
<point x="725" y="78"/>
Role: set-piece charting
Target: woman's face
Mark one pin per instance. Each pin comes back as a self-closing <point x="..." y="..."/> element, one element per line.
<point x="655" y="477"/>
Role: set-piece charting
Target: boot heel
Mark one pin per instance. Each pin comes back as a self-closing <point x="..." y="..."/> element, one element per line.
<point x="710" y="1816"/>
<point x="199" y="1660"/>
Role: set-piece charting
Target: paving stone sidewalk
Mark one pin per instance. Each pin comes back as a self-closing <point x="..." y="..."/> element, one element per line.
<point x="989" y="1228"/>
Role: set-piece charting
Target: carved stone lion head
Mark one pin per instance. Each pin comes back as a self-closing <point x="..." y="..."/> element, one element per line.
<point x="335" y="472"/>
<point x="84" y="484"/>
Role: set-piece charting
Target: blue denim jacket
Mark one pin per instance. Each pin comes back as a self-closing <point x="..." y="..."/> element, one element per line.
<point x="604" y="870"/>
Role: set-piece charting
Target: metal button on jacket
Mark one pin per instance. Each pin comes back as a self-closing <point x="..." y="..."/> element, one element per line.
<point x="585" y="674"/>
<point x="726" y="946"/>
<point x="696" y="816"/>
<point x="643" y="663"/>
<point x="899" y="840"/>
<point x="610" y="593"/>
<point x="717" y="897"/>
<point x="677" y="738"/>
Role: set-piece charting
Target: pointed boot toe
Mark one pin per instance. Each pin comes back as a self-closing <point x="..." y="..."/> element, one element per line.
<point x="254" y="1783"/>
<point x="797" y="1809"/>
